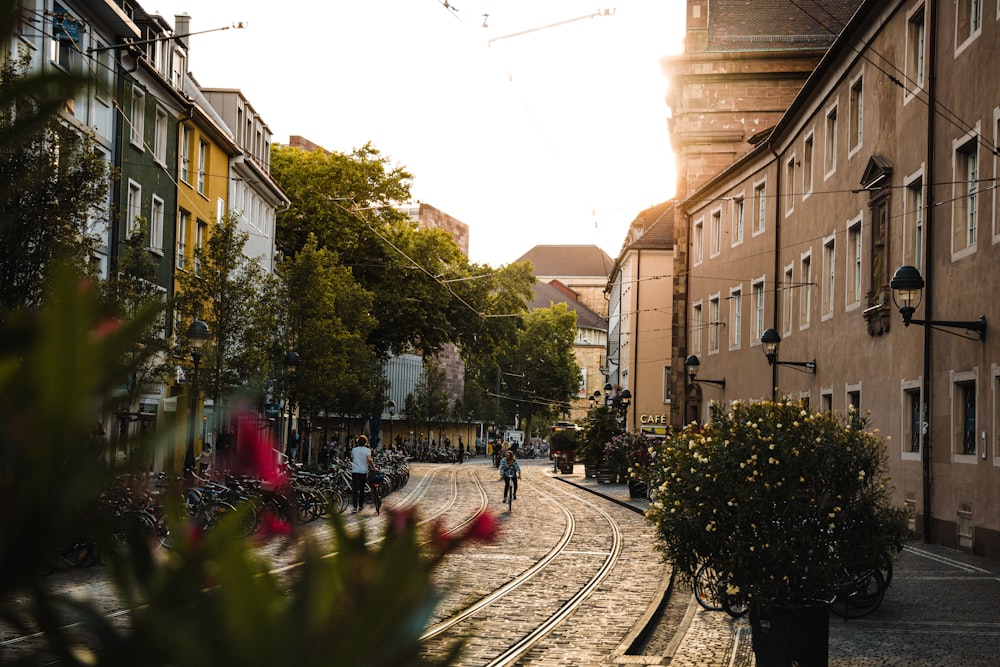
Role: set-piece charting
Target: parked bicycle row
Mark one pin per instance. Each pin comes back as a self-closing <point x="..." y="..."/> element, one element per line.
<point x="136" y="506"/>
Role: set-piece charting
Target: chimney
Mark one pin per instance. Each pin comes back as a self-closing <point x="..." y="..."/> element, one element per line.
<point x="182" y="27"/>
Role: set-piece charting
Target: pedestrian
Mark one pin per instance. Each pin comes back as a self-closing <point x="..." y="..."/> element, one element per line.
<point x="224" y="450"/>
<point x="461" y="450"/>
<point x="510" y="471"/>
<point x="361" y="463"/>
<point x="293" y="446"/>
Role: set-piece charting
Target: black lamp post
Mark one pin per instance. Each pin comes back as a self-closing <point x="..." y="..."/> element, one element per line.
<point x="907" y="291"/>
<point x="468" y="430"/>
<point x="594" y="398"/>
<point x="197" y="334"/>
<point x="291" y="364"/>
<point x="692" y="363"/>
<point x="770" y="341"/>
<point x="391" y="406"/>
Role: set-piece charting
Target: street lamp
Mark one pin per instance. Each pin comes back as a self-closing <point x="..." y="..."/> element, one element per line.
<point x="908" y="290"/>
<point x="391" y="405"/>
<point x="594" y="398"/>
<point x="692" y="363"/>
<point x="291" y="364"/>
<point x="770" y="341"/>
<point x="197" y="334"/>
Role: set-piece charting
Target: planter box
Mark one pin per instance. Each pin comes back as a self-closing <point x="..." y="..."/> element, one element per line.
<point x="606" y="476"/>
<point x="589" y="471"/>
<point x="791" y="635"/>
<point x="637" y="489"/>
<point x="565" y="467"/>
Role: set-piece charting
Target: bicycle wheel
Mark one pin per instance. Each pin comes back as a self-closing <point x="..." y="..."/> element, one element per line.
<point x="706" y="588"/>
<point x="862" y="596"/>
<point x="377" y="498"/>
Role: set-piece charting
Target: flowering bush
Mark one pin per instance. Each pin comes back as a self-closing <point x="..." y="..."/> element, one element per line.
<point x="625" y="451"/>
<point x="781" y="501"/>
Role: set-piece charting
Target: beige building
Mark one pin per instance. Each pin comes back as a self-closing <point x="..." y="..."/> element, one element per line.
<point x="885" y="158"/>
<point x="640" y="316"/>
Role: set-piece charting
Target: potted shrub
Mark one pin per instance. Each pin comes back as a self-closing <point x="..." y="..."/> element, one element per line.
<point x="564" y="445"/>
<point x="783" y="504"/>
<point x="599" y="428"/>
<point x="624" y="452"/>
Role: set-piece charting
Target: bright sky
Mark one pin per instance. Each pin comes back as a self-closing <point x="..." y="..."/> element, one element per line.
<point x="556" y="136"/>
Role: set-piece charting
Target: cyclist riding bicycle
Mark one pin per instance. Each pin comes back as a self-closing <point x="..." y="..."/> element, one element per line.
<point x="510" y="471"/>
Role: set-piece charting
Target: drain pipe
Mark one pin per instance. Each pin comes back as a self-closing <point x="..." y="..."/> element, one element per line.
<point x="925" y="448"/>
<point x="777" y="255"/>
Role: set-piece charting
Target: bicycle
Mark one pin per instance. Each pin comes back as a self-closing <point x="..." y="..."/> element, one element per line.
<point x="712" y="592"/>
<point x="375" y="481"/>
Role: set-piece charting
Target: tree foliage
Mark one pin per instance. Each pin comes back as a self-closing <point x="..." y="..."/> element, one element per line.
<point x="52" y="183"/>
<point x="227" y="293"/>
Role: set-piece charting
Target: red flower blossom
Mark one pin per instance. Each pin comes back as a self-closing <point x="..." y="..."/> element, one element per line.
<point x="484" y="528"/>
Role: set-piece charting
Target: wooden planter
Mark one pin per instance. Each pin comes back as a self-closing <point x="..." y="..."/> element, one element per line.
<point x="606" y="475"/>
<point x="589" y="470"/>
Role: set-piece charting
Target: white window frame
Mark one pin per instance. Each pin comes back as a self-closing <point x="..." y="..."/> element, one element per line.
<point x="715" y="242"/>
<point x="202" y="165"/>
<point x="735" y="317"/>
<point x="956" y="379"/>
<point x="856" y="121"/>
<point x="133" y="204"/>
<point x="715" y="323"/>
<point x="137" y="119"/>
<point x="156" y="217"/>
<point x="184" y="168"/>
<point x="808" y="159"/>
<point x="160" y="131"/>
<point x="829" y="288"/>
<point x="805" y="296"/>
<point x="760" y="207"/>
<point x="854" y="273"/>
<point x="758" y="289"/>
<point x="739" y="219"/>
<point x="698" y="242"/>
<point x="183" y="220"/>
<point x="697" y="324"/>
<point x="913" y="219"/>
<point x="906" y="389"/>
<point x="972" y="10"/>
<point x="966" y="199"/>
<point x="831" y="127"/>
<point x="789" y="185"/>
<point x="916" y="51"/>
<point x="788" y="300"/>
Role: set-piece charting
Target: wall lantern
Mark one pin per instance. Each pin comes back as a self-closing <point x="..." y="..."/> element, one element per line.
<point x="692" y="364"/>
<point x="908" y="290"/>
<point x="770" y="341"/>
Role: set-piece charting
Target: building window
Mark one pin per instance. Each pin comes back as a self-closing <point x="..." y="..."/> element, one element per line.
<point x="830" y="152"/>
<point x="789" y="303"/>
<point x="137" y="121"/>
<point x="698" y="241"/>
<point x="965" y="393"/>
<point x="66" y="31"/>
<point x="826" y="400"/>
<point x="878" y="293"/>
<point x="666" y="384"/>
<point x="758" y="309"/>
<point x="713" y="324"/>
<point x="854" y="263"/>
<point x="183" y="218"/>
<point x="966" y="195"/>
<point x="199" y="241"/>
<point x="857" y="103"/>
<point x="914" y="420"/>
<point x="916" y="37"/>
<point x="202" y="165"/>
<point x="716" y="233"/>
<point x="854" y="405"/>
<point x="968" y="21"/>
<point x="790" y="185"/>
<point x="185" y="162"/>
<point x="735" y="317"/>
<point x="156" y="225"/>
<point x="738" y="220"/>
<point x="697" y="323"/>
<point x="179" y="66"/>
<point x="829" y="275"/>
<point x="805" y="307"/>
<point x="160" y="138"/>
<point x="915" y="222"/>
<point x="134" y="206"/>
<point x="807" y="166"/>
<point x="105" y="75"/>
<point x="760" y="197"/>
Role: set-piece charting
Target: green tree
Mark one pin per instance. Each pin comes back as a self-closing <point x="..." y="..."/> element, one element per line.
<point x="328" y="324"/>
<point x="52" y="184"/>
<point x="539" y="373"/>
<point x="227" y="293"/>
<point x="127" y="293"/>
<point x="429" y="404"/>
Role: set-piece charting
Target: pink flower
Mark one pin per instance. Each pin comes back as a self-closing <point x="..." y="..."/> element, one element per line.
<point x="256" y="455"/>
<point x="273" y="526"/>
<point x="483" y="529"/>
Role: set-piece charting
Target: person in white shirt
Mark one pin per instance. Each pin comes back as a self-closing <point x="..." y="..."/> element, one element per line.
<point x="361" y="463"/>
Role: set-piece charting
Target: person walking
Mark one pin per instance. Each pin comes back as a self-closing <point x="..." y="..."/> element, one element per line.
<point x="293" y="446"/>
<point x="510" y="471"/>
<point x="224" y="450"/>
<point x="361" y="463"/>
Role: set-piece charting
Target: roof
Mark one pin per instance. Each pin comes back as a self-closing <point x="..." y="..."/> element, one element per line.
<point x="547" y="294"/>
<point x="569" y="260"/>
<point x="653" y="229"/>
<point x="765" y="25"/>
